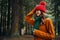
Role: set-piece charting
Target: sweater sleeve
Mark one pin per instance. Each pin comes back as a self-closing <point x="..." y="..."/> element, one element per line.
<point x="28" y="17"/>
<point x="50" y="35"/>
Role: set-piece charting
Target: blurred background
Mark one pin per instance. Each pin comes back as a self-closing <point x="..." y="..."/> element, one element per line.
<point x="12" y="13"/>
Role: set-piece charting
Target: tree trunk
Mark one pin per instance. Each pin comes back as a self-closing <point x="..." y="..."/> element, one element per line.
<point x="15" y="15"/>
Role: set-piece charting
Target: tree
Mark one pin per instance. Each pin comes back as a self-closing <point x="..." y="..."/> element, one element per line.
<point x="15" y="19"/>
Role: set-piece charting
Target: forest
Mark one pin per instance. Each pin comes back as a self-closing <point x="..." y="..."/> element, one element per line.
<point x="12" y="13"/>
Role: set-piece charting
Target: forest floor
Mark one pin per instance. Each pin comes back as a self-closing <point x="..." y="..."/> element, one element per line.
<point x="25" y="37"/>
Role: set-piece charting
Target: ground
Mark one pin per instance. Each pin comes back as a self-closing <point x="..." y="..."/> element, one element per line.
<point x="25" y="37"/>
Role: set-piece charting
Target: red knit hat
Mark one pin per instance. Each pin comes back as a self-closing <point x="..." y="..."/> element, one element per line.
<point x="41" y="6"/>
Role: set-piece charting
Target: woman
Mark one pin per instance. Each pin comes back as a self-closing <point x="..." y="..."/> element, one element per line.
<point x="43" y="27"/>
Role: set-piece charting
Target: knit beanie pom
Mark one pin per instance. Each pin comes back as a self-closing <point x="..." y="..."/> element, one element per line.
<point x="42" y="3"/>
<point x="41" y="6"/>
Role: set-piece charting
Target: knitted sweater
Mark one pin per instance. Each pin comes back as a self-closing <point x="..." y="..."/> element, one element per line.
<point x="45" y="32"/>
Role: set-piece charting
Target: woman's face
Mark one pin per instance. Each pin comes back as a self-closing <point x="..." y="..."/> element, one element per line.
<point x="38" y="12"/>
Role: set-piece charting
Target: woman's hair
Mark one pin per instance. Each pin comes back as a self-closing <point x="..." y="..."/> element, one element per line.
<point x="42" y="15"/>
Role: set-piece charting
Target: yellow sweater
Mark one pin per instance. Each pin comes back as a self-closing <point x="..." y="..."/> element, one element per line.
<point x="45" y="32"/>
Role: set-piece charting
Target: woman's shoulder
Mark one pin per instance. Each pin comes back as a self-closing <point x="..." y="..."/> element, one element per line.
<point x="48" y="19"/>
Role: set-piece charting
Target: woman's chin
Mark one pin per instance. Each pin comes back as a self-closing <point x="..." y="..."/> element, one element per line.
<point x="38" y="15"/>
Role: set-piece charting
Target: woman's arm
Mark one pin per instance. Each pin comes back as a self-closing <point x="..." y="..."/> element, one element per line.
<point x="50" y="35"/>
<point x="28" y="17"/>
